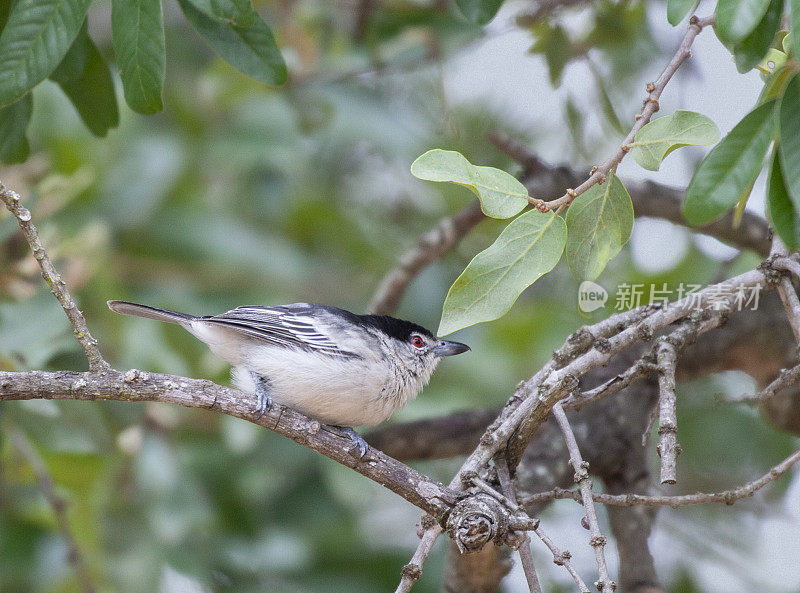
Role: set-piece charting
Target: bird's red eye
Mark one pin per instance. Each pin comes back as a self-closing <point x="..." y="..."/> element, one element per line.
<point x="417" y="341"/>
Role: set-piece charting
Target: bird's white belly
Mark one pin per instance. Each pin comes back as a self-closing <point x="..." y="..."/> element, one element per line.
<point x="337" y="391"/>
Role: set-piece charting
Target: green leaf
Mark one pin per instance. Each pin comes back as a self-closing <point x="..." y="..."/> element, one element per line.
<point x="789" y="134"/>
<point x="730" y="168"/>
<point x="735" y="19"/>
<point x="678" y="9"/>
<point x="501" y="194"/>
<point x="552" y="42"/>
<point x="14" y="120"/>
<point x="138" y="33"/>
<point x="606" y="104"/>
<point x="239" y="12"/>
<point x="84" y="77"/>
<point x="657" y="139"/>
<point x="599" y="223"/>
<point x="750" y="50"/>
<point x="35" y="39"/>
<point x="794" y="26"/>
<point x="776" y="82"/>
<point x="783" y="212"/>
<point x="479" y="11"/>
<point x="250" y="49"/>
<point x="528" y="247"/>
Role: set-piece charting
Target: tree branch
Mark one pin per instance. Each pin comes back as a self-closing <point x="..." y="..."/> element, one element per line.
<point x="413" y="570"/>
<point x="668" y="447"/>
<point x="134" y="386"/>
<point x="430" y="247"/>
<point x="597" y="540"/>
<point x="57" y="286"/>
<point x="628" y="500"/>
<point x="654" y="90"/>
<point x="524" y="550"/>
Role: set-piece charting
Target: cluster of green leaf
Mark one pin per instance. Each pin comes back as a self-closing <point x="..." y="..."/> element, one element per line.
<point x="725" y="178"/>
<point x="42" y="39"/>
<point x="598" y="222"/>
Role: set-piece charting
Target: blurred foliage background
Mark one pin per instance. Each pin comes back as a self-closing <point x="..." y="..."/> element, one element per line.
<point x="239" y="193"/>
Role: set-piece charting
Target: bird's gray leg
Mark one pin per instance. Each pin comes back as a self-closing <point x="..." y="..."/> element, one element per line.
<point x="262" y="392"/>
<point x="356" y="439"/>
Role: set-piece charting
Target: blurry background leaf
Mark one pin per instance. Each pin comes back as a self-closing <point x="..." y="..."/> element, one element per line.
<point x="501" y="194"/>
<point x="658" y="138"/>
<point x="14" y="147"/>
<point x="138" y="34"/>
<point x="479" y="11"/>
<point x="250" y="49"/>
<point x="33" y="42"/>
<point x="730" y="168"/>
<point x="552" y="43"/>
<point x="678" y="9"/>
<point x="599" y="223"/>
<point x="528" y="247"/>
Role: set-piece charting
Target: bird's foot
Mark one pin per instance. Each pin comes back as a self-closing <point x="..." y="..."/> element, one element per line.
<point x="262" y="392"/>
<point x="357" y="440"/>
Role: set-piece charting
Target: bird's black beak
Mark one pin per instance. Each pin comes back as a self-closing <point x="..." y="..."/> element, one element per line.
<point x="445" y="348"/>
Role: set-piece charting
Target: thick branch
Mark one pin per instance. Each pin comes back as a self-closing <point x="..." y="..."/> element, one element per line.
<point x="420" y="490"/>
<point x="54" y="280"/>
<point x="668" y="448"/>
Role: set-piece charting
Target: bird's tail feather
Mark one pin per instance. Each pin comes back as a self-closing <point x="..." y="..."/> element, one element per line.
<point x="137" y="310"/>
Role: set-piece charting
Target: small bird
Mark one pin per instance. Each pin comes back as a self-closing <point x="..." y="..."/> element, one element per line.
<point x="338" y="367"/>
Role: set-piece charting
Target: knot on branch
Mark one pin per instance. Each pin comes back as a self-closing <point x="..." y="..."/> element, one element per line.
<point x="581" y="470"/>
<point x="477" y="520"/>
<point x="772" y="274"/>
<point x="411" y="571"/>
<point x="605" y="586"/>
<point x="560" y="559"/>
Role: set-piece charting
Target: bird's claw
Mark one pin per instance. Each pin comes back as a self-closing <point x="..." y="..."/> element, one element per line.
<point x="264" y="400"/>
<point x="356" y="439"/>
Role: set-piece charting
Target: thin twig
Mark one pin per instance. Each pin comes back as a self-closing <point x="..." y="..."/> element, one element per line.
<point x="639" y="370"/>
<point x="668" y="447"/>
<point x="57" y="286"/>
<point x="628" y="500"/>
<point x="581" y="467"/>
<point x="58" y="504"/>
<point x="650" y="107"/>
<point x="524" y="550"/>
<point x="786" y="378"/>
<point x="561" y="558"/>
<point x="779" y="260"/>
<point x="413" y="570"/>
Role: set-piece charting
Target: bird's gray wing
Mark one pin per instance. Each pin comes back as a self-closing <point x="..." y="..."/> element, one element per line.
<point x="290" y="326"/>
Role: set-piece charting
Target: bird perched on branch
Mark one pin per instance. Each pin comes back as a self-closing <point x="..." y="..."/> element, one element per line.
<point x="340" y="368"/>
